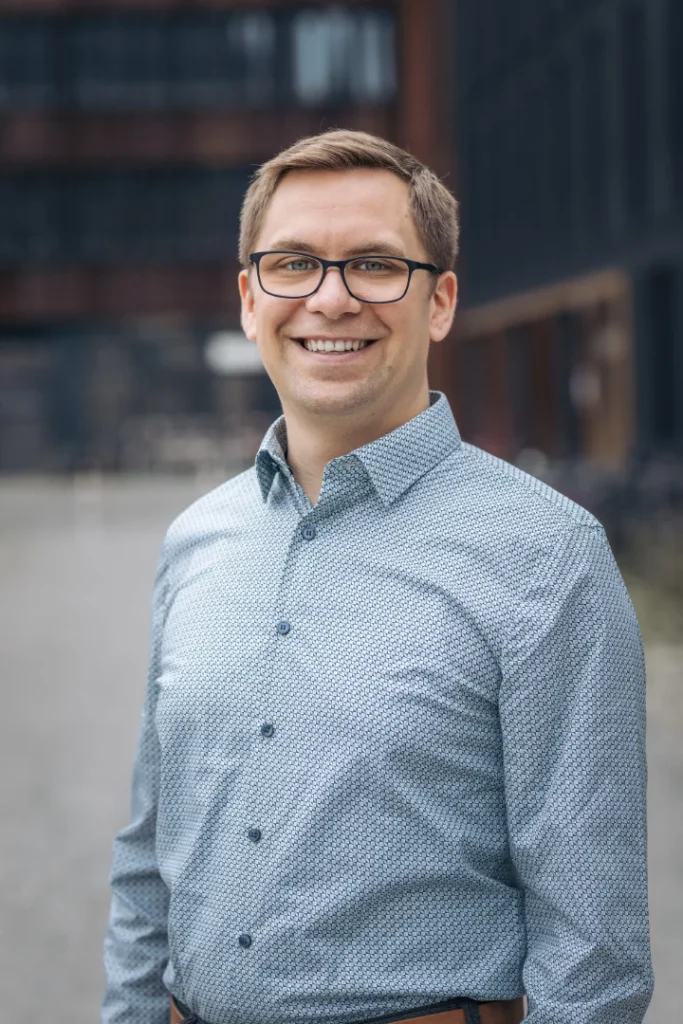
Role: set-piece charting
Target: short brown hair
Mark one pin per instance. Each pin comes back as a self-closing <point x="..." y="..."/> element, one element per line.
<point x="434" y="208"/>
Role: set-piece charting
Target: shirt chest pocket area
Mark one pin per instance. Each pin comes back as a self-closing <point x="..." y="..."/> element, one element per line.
<point x="208" y="643"/>
<point x="213" y="632"/>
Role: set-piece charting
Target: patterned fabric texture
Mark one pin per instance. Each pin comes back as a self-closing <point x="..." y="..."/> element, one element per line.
<point x="392" y="750"/>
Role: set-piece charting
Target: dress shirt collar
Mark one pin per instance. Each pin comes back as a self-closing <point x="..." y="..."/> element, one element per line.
<point x="393" y="462"/>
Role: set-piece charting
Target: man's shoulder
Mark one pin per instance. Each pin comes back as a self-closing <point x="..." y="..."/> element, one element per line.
<point x="510" y="500"/>
<point x="220" y="510"/>
<point x="514" y="527"/>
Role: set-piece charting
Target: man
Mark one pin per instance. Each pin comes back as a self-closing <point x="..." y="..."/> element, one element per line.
<point x="392" y="759"/>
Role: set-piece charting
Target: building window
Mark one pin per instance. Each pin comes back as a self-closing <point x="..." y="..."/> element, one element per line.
<point x="529" y="235"/>
<point x="27" y="49"/>
<point x="343" y="55"/>
<point x="663" y="315"/>
<point x="515" y="179"/>
<point x="498" y="148"/>
<point x="560" y="133"/>
<point x="197" y="59"/>
<point x="177" y="61"/>
<point x="475" y="206"/>
<point x="146" y="215"/>
<point x="634" y="88"/>
<point x="118" y="65"/>
<point x="675" y="93"/>
<point x="594" y="132"/>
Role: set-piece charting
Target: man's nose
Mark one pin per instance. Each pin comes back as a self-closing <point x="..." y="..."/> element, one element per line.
<point x="332" y="297"/>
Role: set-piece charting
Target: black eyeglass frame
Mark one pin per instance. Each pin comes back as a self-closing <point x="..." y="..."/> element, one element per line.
<point x="413" y="265"/>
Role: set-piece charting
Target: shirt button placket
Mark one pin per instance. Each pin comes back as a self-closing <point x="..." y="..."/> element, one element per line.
<point x="283" y="627"/>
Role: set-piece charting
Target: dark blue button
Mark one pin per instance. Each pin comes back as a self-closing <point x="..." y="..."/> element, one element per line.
<point x="267" y="729"/>
<point x="254" y="834"/>
<point x="283" y="628"/>
<point x="244" y="940"/>
<point x="308" y="532"/>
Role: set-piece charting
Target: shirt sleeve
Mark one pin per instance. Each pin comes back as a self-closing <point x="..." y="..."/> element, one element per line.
<point x="572" y="707"/>
<point x="136" y="944"/>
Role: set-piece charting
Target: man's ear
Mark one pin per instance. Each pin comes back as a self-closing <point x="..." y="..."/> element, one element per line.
<point x="443" y="305"/>
<point x="247" y="315"/>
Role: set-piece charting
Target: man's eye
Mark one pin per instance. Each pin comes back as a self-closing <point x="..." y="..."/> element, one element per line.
<point x="373" y="266"/>
<point x="299" y="265"/>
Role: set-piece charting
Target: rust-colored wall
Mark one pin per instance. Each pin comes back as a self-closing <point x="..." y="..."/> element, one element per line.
<point x="426" y="122"/>
<point x="207" y="139"/>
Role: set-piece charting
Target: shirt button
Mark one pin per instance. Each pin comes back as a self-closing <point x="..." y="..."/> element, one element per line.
<point x="254" y="834"/>
<point x="308" y="532"/>
<point x="283" y="628"/>
<point x="267" y="729"/>
<point x="244" y="940"/>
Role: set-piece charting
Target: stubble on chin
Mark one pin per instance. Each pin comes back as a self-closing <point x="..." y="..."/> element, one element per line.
<point x="321" y="398"/>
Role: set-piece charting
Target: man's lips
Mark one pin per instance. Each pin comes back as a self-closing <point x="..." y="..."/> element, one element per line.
<point x="368" y="342"/>
<point x="334" y="358"/>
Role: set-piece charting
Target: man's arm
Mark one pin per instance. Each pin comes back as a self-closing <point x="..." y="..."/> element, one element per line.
<point x="136" y="945"/>
<point x="572" y="707"/>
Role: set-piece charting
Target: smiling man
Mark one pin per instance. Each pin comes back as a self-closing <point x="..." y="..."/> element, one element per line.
<point x="391" y="763"/>
<point x="346" y="347"/>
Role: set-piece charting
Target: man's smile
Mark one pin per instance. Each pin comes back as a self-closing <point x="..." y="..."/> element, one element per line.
<point x="334" y="349"/>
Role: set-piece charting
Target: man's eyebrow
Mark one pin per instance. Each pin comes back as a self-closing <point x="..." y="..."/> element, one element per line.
<point x="369" y="248"/>
<point x="291" y="245"/>
<point x="376" y="248"/>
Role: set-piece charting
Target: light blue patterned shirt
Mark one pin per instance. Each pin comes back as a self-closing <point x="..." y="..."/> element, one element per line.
<point x="392" y="751"/>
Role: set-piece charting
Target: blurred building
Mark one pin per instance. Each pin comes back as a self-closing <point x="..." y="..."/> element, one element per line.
<point x="129" y="130"/>
<point x="571" y="179"/>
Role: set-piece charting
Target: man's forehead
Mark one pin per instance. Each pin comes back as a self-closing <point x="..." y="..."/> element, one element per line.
<point x="314" y="203"/>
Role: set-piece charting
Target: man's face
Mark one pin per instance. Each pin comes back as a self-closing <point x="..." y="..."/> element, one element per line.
<point x="336" y="214"/>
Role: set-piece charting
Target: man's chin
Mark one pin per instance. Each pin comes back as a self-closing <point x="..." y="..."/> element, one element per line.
<point x="332" y="398"/>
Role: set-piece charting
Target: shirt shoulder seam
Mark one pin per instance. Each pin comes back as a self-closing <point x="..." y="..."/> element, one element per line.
<point x="574" y="514"/>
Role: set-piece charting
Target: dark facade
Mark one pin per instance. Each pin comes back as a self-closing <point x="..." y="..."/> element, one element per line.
<point x="571" y="178"/>
<point x="127" y="138"/>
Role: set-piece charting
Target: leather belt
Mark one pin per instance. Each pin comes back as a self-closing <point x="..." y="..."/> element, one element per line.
<point x="502" y="1011"/>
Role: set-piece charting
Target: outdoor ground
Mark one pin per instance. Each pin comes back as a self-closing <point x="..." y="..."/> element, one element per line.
<point x="76" y="568"/>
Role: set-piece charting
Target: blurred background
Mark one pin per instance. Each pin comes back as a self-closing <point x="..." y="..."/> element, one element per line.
<point x="129" y="130"/>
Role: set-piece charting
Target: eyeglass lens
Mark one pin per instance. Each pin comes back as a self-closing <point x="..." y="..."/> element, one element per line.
<point x="376" y="279"/>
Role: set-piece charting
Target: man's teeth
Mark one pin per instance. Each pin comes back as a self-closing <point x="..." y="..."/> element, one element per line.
<point x="318" y="345"/>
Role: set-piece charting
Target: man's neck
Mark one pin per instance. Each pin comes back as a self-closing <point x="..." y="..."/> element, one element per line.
<point x="309" y="450"/>
<point x="312" y="444"/>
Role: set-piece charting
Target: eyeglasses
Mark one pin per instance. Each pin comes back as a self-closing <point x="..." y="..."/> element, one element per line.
<point x="296" y="275"/>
